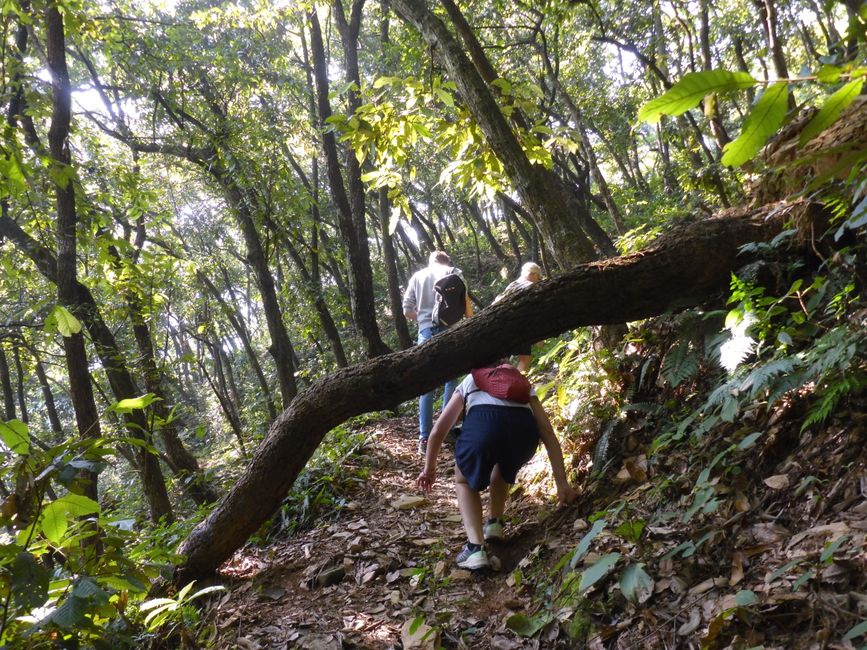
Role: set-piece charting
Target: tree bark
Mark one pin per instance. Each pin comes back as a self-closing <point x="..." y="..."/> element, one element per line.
<point x="19" y="381"/>
<point x="473" y="209"/>
<point x="48" y="397"/>
<point x="560" y="219"/>
<point x="6" y="383"/>
<point x="768" y="12"/>
<point x="237" y="323"/>
<point x="350" y="206"/>
<point x="181" y="461"/>
<point x="80" y="389"/>
<point x="281" y="346"/>
<point x="390" y="260"/>
<point x="711" y="102"/>
<point x="684" y="268"/>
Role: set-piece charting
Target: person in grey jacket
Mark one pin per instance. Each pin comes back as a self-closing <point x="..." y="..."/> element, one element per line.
<point x="418" y="303"/>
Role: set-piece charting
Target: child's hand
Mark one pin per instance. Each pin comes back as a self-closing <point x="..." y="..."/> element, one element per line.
<point x="566" y="495"/>
<point x="425" y="481"/>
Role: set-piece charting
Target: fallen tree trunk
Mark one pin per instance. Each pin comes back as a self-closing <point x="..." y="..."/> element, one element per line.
<point x="683" y="269"/>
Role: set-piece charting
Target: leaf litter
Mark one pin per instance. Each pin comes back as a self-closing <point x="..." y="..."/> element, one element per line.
<point x="623" y="568"/>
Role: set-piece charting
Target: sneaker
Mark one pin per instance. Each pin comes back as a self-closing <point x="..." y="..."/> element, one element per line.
<point x="422" y="446"/>
<point x="473" y="559"/>
<point x="494" y="530"/>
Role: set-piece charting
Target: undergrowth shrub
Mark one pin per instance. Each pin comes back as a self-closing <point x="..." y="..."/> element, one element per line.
<point x="694" y="383"/>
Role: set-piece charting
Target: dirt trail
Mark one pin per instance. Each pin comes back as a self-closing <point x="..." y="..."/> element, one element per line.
<point x="361" y="579"/>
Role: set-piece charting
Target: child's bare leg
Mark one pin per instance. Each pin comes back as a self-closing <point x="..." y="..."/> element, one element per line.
<point x="499" y="492"/>
<point x="470" y="505"/>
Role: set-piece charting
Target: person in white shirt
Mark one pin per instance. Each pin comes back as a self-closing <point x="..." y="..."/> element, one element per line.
<point x="530" y="274"/>
<point x="418" y="303"/>
<point x="497" y="438"/>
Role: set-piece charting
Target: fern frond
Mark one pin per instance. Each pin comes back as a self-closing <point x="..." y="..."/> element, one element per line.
<point x="787" y="383"/>
<point x="735" y="351"/>
<point x="680" y="363"/>
<point x="721" y="393"/>
<point x="831" y="396"/>
<point x="763" y="373"/>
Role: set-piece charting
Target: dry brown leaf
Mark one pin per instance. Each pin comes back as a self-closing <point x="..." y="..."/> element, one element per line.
<point x="637" y="468"/>
<point x="407" y="502"/>
<point x="835" y="529"/>
<point x="737" y="568"/>
<point x="707" y="585"/>
<point x="741" y="502"/>
<point x="769" y="533"/>
<point x="777" y="482"/>
<point x="460" y="574"/>
<point x="422" y="636"/>
<point x="692" y="624"/>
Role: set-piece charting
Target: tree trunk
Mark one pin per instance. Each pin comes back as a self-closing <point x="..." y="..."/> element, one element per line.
<point x="48" y="398"/>
<point x="19" y="382"/>
<point x="683" y="269"/>
<point x="711" y="102"/>
<point x="473" y="209"/>
<point x="178" y="457"/>
<point x="558" y="215"/>
<point x="768" y="12"/>
<point x="281" y="346"/>
<point x="6" y="383"/>
<point x="390" y="261"/>
<point x="112" y="359"/>
<point x="237" y="323"/>
<point x="350" y="206"/>
<point x="80" y="389"/>
<point x="227" y="405"/>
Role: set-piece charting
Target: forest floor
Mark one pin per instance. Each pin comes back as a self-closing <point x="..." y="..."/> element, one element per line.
<point x="776" y="559"/>
<point x="362" y="579"/>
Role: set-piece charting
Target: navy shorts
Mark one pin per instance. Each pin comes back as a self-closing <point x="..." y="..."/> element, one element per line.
<point x="495" y="435"/>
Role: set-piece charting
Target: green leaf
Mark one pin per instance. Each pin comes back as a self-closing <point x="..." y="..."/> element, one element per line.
<point x="631" y="530"/>
<point x="133" y="403"/>
<point x="584" y="544"/>
<point x="153" y="603"/>
<point x="70" y="614"/>
<point x="745" y="598"/>
<point x="205" y="591"/>
<point x="831" y="110"/>
<point x="829" y="74"/>
<point x="29" y="581"/>
<point x="829" y="550"/>
<point x="78" y="505"/>
<point x="802" y="580"/>
<point x="690" y="90"/>
<point x="524" y="625"/>
<point x="750" y="440"/>
<point x="783" y="569"/>
<point x="66" y="323"/>
<point x="417" y="622"/>
<point x="15" y="435"/>
<point x="504" y="86"/>
<point x="855" y="632"/>
<point x="763" y="121"/>
<point x="56" y="515"/>
<point x="595" y="573"/>
<point x="635" y="583"/>
<point x="54" y="522"/>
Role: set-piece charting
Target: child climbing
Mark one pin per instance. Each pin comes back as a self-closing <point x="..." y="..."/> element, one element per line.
<point x="498" y="437"/>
